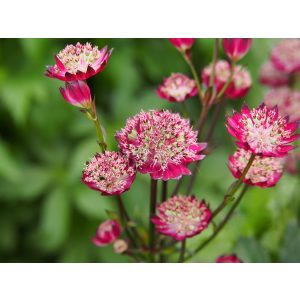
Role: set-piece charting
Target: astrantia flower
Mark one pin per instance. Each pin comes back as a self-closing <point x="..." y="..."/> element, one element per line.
<point x="182" y="44"/>
<point x="287" y="100"/>
<point x="262" y="131"/>
<point x="177" y="88"/>
<point x="228" y="259"/>
<point x="77" y="93"/>
<point x="110" y="173"/>
<point x="78" y="62"/>
<point x="286" y="55"/>
<point x="181" y="217"/>
<point x="160" y="143"/>
<point x="240" y="84"/>
<point x="236" y="48"/>
<point x="264" y="171"/>
<point x="270" y="76"/>
<point x="107" y="233"/>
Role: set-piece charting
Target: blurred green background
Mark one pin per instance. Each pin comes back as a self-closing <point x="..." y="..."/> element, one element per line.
<point x="47" y="215"/>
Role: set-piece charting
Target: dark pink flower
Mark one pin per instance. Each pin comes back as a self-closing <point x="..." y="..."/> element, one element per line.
<point x="228" y="259"/>
<point x="287" y="100"/>
<point x="77" y="93"/>
<point x="160" y="143"/>
<point x="107" y="233"/>
<point x="182" y="217"/>
<point x="182" y="44"/>
<point x="262" y="131"/>
<point x="264" y="171"/>
<point x="270" y="76"/>
<point x="236" y="48"/>
<point x="110" y="173"/>
<point x="286" y="56"/>
<point x="241" y="81"/>
<point x="177" y="88"/>
<point x="78" y="62"/>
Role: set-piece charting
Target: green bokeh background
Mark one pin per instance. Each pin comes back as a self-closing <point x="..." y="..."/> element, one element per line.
<point x="47" y="215"/>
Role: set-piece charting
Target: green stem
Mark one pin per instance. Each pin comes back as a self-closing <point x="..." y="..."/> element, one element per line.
<point x="221" y="93"/>
<point x="153" y="200"/>
<point x="220" y="226"/>
<point x="164" y="196"/>
<point x="182" y="251"/>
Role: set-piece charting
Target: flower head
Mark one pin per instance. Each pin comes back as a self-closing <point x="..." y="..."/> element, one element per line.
<point x="286" y="56"/>
<point x="78" y="62"/>
<point x="160" y="143"/>
<point x="182" y="44"/>
<point x="110" y="173"/>
<point x="287" y="100"/>
<point x="107" y="233"/>
<point x="177" y="88"/>
<point x="77" y="93"/>
<point x="240" y="84"/>
<point x="236" y="48"/>
<point x="264" y="171"/>
<point x="228" y="259"/>
<point x="120" y="246"/>
<point x="262" y="131"/>
<point x="270" y="76"/>
<point x="181" y="217"/>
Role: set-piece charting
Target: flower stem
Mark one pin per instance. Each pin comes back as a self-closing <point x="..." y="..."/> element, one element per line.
<point x="164" y="196"/>
<point x="153" y="199"/>
<point x="182" y="251"/>
<point x="214" y="62"/>
<point x="220" y="226"/>
<point x="221" y="93"/>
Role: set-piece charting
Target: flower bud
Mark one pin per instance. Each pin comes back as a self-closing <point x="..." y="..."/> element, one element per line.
<point x="228" y="259"/>
<point x="183" y="44"/>
<point x="236" y="48"/>
<point x="120" y="246"/>
<point x="107" y="233"/>
<point x="77" y="93"/>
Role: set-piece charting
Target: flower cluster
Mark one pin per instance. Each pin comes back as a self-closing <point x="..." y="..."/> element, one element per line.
<point x="264" y="171"/>
<point x="78" y="62"/>
<point x="182" y="217"/>
<point x="160" y="143"/>
<point x="238" y="87"/>
<point x="177" y="88"/>
<point x="110" y="173"/>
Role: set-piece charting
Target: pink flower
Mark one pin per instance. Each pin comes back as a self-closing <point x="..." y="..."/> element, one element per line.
<point x="182" y="44"/>
<point x="270" y="76"/>
<point x="228" y="259"/>
<point x="241" y="81"/>
<point x="286" y="56"/>
<point x="78" y="62"/>
<point x="120" y="246"/>
<point x="264" y="171"/>
<point x="262" y="131"/>
<point x="177" y="88"/>
<point x="287" y="100"/>
<point x="110" y="173"/>
<point x="181" y="217"/>
<point x="77" y="93"/>
<point x="236" y="48"/>
<point x="291" y="164"/>
<point x="160" y="143"/>
<point x="107" y="233"/>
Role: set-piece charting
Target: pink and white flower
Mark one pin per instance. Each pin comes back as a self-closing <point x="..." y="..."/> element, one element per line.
<point x="110" y="173"/>
<point x="77" y="93"/>
<point x="236" y="48"/>
<point x="262" y="131"/>
<point x="228" y="259"/>
<point x="160" y="143"/>
<point x="270" y="76"/>
<point x="264" y="171"/>
<point x="120" y="246"/>
<point x="182" y="217"/>
<point x="182" y="44"/>
<point x="107" y="233"/>
<point x="286" y="56"/>
<point x="177" y="88"/>
<point x="78" y="62"/>
<point x="287" y="100"/>
<point x="240" y="84"/>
